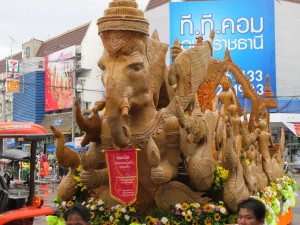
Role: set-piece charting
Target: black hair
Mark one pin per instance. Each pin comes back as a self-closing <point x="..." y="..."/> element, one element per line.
<point x="80" y="210"/>
<point x="255" y="205"/>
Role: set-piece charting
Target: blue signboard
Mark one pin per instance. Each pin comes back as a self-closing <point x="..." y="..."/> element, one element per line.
<point x="245" y="27"/>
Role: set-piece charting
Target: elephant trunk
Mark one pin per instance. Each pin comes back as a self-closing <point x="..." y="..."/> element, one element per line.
<point x="114" y="121"/>
<point x="117" y="132"/>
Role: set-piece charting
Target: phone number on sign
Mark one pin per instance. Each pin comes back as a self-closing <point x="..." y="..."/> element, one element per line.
<point x="254" y="76"/>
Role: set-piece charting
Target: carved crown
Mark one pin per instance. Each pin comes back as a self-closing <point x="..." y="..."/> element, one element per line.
<point x="123" y="15"/>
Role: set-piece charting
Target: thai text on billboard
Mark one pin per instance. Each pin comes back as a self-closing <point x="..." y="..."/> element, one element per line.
<point x="59" y="75"/>
<point x="247" y="32"/>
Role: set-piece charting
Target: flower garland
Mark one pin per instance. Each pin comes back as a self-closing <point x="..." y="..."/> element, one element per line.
<point x="185" y="213"/>
<point x="280" y="194"/>
<point x="278" y="197"/>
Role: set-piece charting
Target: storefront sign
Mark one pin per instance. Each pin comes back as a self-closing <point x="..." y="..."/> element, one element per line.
<point x="294" y="127"/>
<point x="247" y="32"/>
<point x="13" y="85"/>
<point x="12" y="66"/>
<point x="123" y="176"/>
<point x="56" y="122"/>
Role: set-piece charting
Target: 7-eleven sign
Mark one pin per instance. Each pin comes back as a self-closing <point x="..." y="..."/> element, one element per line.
<point x="12" y="66"/>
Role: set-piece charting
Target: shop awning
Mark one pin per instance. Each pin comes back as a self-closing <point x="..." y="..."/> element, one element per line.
<point x="62" y="121"/>
<point x="294" y="127"/>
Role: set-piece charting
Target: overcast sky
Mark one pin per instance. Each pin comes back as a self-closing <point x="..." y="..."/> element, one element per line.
<point x="22" y="20"/>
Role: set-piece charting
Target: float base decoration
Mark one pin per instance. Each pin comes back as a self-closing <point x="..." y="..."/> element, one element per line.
<point x="278" y="197"/>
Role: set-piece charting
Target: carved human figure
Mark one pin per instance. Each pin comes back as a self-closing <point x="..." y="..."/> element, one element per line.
<point x="236" y="120"/>
<point x="226" y="97"/>
<point x="175" y="51"/>
<point x="264" y="141"/>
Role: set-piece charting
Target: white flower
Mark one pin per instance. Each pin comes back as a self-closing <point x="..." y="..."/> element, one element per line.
<point x="111" y="218"/>
<point x="88" y="206"/>
<point x="178" y="206"/>
<point x="93" y="207"/>
<point x="197" y="205"/>
<point x="100" y="202"/>
<point x="164" y="220"/>
<point x="189" y="212"/>
<point x="123" y="210"/>
<point x="118" y="206"/>
<point x="64" y="203"/>
<point x="127" y="217"/>
<point x="223" y="210"/>
<point x="183" y="213"/>
<point x="101" y="208"/>
<point x="83" y="203"/>
<point x="91" y="200"/>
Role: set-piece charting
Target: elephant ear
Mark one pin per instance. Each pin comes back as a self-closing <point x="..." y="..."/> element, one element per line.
<point x="156" y="53"/>
<point x="189" y="68"/>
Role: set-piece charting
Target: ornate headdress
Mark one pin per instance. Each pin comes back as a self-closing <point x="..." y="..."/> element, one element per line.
<point x="176" y="47"/>
<point x="121" y="16"/>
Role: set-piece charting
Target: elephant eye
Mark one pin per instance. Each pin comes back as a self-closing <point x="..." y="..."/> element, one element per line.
<point x="136" y="67"/>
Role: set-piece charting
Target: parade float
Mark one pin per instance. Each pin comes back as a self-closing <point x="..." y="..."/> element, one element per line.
<point x="168" y="149"/>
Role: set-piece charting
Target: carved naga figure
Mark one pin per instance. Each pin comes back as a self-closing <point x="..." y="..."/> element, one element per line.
<point x="235" y="189"/>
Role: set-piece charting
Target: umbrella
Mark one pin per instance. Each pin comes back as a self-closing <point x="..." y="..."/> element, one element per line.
<point x="5" y="161"/>
<point x="71" y="145"/>
<point x="15" y="153"/>
<point x="51" y="148"/>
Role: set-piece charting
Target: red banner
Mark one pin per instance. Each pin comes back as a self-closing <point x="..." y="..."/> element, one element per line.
<point x="123" y="175"/>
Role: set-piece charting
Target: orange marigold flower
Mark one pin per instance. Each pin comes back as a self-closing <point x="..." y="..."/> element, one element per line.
<point x="188" y="217"/>
<point x="217" y="216"/>
<point x="185" y="206"/>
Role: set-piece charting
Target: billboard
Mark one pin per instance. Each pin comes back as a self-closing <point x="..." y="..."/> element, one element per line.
<point x="247" y="31"/>
<point x="59" y="75"/>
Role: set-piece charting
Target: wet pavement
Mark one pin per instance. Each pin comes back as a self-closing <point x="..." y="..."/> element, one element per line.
<point x="46" y="189"/>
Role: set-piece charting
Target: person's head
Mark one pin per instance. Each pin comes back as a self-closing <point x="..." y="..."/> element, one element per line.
<point x="251" y="212"/>
<point x="77" y="215"/>
<point x="44" y="157"/>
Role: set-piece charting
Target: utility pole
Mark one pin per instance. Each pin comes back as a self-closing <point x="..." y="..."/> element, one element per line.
<point x="3" y="98"/>
<point x="74" y="98"/>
